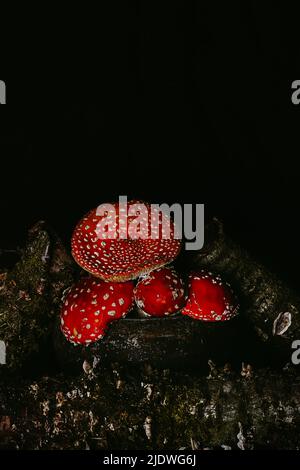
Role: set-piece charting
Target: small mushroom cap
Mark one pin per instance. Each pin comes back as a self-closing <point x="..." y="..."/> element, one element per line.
<point x="160" y="293"/>
<point x="91" y="305"/>
<point x="209" y="298"/>
<point x="105" y="253"/>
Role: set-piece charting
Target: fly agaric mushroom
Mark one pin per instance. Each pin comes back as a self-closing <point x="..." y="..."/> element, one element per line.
<point x="209" y="298"/>
<point x="160" y="292"/>
<point x="118" y="246"/>
<point x="91" y="305"/>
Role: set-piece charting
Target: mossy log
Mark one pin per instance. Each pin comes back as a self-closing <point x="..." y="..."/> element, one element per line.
<point x="30" y="295"/>
<point x="153" y="411"/>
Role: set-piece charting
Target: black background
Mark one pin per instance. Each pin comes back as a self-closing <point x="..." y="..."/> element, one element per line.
<point x="185" y="102"/>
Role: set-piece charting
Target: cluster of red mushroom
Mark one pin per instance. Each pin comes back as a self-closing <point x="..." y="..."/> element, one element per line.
<point x="128" y="271"/>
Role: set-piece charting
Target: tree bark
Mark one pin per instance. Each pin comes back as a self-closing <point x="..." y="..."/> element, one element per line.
<point x="153" y="410"/>
<point x="30" y="296"/>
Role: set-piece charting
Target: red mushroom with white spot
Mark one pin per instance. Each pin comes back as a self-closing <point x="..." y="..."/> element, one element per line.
<point x="91" y="305"/>
<point x="209" y="298"/>
<point x="105" y="252"/>
<point x="160" y="293"/>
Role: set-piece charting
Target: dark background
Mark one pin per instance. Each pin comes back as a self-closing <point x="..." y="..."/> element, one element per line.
<point x="182" y="103"/>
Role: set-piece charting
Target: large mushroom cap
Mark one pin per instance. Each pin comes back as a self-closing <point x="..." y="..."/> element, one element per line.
<point x="91" y="305"/>
<point x="99" y="246"/>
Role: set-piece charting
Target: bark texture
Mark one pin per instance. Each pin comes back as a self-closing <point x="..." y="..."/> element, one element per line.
<point x="153" y="411"/>
<point x="30" y="295"/>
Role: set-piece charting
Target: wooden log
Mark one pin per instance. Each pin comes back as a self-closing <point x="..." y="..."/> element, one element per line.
<point x="177" y="342"/>
<point x="252" y="410"/>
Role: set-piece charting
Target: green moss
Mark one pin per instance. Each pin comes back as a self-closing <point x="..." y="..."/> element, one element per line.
<point x="30" y="296"/>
